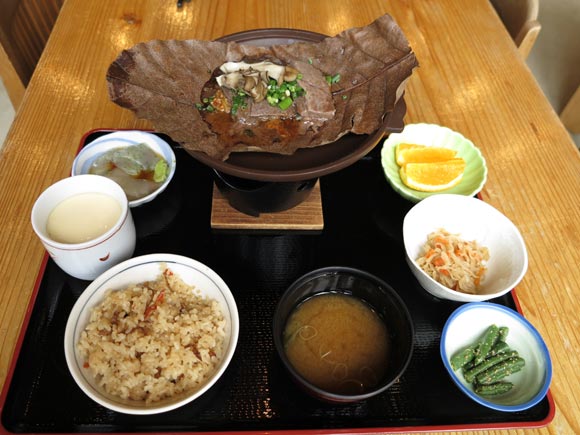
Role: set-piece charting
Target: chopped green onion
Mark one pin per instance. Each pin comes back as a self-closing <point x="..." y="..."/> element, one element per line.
<point x="283" y="95"/>
<point x="239" y="102"/>
<point x="206" y="104"/>
<point x="285" y="103"/>
<point x="332" y="79"/>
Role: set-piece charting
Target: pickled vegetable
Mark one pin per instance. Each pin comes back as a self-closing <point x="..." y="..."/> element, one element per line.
<point x="490" y="338"/>
<point x="500" y="347"/>
<point x="503" y="333"/>
<point x="137" y="169"/>
<point x="488" y="361"/>
<point x="463" y="357"/>
<point x="501" y="370"/>
<point x="494" y="389"/>
<point x="486" y="364"/>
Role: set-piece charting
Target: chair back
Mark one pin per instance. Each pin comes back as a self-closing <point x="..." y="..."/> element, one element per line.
<point x="570" y="115"/>
<point x="25" y="26"/>
<point x="10" y="79"/>
<point x="520" y="18"/>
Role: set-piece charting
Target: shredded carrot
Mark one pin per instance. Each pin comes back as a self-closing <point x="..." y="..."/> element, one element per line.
<point x="441" y="241"/>
<point x="439" y="262"/>
<point x="454" y="262"/>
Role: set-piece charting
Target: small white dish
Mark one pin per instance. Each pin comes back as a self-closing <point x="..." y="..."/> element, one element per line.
<point x="472" y="219"/>
<point x="468" y="323"/>
<point x="90" y="152"/>
<point x="474" y="176"/>
<point x="133" y="271"/>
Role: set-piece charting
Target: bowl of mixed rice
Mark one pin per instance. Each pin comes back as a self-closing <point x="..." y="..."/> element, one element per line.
<point x="151" y="334"/>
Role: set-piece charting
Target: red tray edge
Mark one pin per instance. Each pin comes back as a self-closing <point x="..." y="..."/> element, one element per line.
<point x="406" y="429"/>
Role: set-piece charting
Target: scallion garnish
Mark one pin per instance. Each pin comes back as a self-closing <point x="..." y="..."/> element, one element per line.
<point x="239" y="101"/>
<point x="332" y="79"/>
<point x="283" y="95"/>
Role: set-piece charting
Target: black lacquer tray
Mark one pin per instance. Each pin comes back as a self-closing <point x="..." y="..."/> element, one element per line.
<point x="362" y="229"/>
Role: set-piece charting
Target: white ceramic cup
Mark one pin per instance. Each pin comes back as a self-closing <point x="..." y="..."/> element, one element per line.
<point x="86" y="260"/>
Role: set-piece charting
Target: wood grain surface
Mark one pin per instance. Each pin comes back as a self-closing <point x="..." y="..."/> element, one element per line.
<point x="305" y="217"/>
<point x="471" y="79"/>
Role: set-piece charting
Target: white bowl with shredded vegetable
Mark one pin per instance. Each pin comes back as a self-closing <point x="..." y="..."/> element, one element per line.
<point x="151" y="334"/>
<point x="463" y="249"/>
<point x="142" y="163"/>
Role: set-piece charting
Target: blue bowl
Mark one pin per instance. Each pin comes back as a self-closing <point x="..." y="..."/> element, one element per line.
<point x="468" y="323"/>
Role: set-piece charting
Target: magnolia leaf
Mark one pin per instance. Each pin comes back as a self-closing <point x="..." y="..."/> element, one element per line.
<point x="162" y="81"/>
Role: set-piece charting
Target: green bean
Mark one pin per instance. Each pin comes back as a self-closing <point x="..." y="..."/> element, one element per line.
<point x="489" y="340"/>
<point x="486" y="364"/>
<point x="501" y="370"/>
<point x="462" y="357"/>
<point x="503" y="333"/>
<point x="500" y="347"/>
<point x="494" y="389"/>
<point x="469" y="365"/>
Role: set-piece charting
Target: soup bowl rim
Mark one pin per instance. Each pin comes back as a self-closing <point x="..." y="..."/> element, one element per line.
<point x="279" y="322"/>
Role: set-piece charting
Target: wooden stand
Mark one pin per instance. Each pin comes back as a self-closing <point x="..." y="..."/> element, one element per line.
<point x="306" y="216"/>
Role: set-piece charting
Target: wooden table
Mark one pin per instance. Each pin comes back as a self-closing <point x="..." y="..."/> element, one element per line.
<point x="470" y="79"/>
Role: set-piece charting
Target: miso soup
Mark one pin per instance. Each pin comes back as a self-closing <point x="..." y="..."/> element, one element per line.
<point x="338" y="343"/>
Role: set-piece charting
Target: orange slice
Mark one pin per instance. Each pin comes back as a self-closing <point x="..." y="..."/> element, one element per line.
<point x="402" y="148"/>
<point x="412" y="153"/>
<point x="434" y="176"/>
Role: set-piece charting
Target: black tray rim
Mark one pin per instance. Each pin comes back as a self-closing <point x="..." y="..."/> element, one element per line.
<point x="536" y="424"/>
